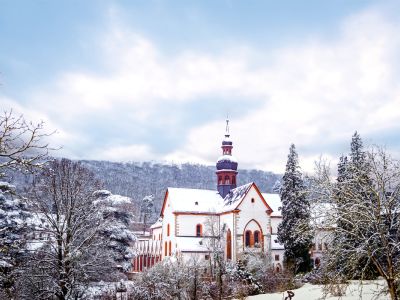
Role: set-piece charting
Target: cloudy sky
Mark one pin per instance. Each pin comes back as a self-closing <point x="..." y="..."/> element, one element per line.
<point x="154" y="80"/>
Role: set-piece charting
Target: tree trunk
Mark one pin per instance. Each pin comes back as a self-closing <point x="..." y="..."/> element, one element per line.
<point x="392" y="286"/>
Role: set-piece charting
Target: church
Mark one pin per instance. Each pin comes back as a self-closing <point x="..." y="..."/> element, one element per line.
<point x="244" y="218"/>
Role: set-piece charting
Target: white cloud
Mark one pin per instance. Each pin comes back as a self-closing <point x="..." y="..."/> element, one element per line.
<point x="125" y="153"/>
<point x="314" y="94"/>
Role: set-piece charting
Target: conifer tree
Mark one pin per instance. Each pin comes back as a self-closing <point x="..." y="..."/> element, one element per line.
<point x="294" y="232"/>
<point x="353" y="175"/>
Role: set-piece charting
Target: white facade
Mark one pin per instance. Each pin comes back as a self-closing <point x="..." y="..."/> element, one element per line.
<point x="244" y="218"/>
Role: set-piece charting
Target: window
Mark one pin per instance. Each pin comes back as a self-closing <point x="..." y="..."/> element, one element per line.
<point x="226" y="179"/>
<point x="165" y="249"/>
<point x="276" y="257"/>
<point x="219" y="179"/>
<point x="252" y="200"/>
<point x="317" y="262"/>
<point x="199" y="231"/>
<point x="207" y="257"/>
<point x="247" y="240"/>
<point x="196" y="203"/>
<point x="256" y="237"/>
<point x="170" y="248"/>
<point x="233" y="180"/>
<point x="168" y="230"/>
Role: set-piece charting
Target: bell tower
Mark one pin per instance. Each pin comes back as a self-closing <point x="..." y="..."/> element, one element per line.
<point x="226" y="166"/>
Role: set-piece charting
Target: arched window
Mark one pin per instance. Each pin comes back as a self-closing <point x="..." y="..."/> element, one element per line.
<point x="226" y="179"/>
<point x="165" y="249"/>
<point x="219" y="179"/>
<point x="256" y="237"/>
<point x="233" y="180"/>
<point x="199" y="230"/>
<point x="228" y="244"/>
<point x="170" y="248"/>
<point x="247" y="238"/>
<point x="317" y="262"/>
<point x="168" y="230"/>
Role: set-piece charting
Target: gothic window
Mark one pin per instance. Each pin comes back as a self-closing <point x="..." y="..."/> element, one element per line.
<point x="256" y="237"/>
<point x="247" y="239"/>
<point x="226" y="179"/>
<point x="168" y="230"/>
<point x="199" y="231"/>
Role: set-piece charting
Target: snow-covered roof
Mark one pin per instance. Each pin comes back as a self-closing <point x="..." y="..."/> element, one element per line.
<point x="274" y="201"/>
<point x="194" y="200"/>
<point x="157" y="224"/>
<point x="274" y="243"/>
<point x="235" y="196"/>
<point x="184" y="200"/>
<point x="227" y="158"/>
<point x="195" y="244"/>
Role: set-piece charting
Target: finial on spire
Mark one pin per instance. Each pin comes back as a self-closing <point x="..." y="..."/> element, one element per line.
<point x="227" y="126"/>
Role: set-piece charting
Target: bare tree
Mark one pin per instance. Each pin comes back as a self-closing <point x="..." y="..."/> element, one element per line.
<point x="22" y="143"/>
<point x="74" y="252"/>
<point x="370" y="212"/>
<point x="22" y="148"/>
<point x="215" y="243"/>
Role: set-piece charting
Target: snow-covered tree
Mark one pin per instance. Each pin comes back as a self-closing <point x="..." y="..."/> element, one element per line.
<point x="294" y="232"/>
<point x="215" y="243"/>
<point x="22" y="143"/>
<point x="277" y="187"/>
<point x="169" y="279"/>
<point x="353" y="174"/>
<point x="13" y="229"/>
<point x="117" y="214"/>
<point x="370" y="225"/>
<point x="74" y="250"/>
<point x="146" y="209"/>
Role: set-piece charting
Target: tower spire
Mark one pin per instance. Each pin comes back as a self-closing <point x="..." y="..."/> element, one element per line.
<point x="226" y="165"/>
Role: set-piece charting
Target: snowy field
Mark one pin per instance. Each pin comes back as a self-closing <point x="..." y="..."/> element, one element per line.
<point x="367" y="291"/>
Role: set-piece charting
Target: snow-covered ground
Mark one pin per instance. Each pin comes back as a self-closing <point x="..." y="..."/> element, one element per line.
<point x="368" y="291"/>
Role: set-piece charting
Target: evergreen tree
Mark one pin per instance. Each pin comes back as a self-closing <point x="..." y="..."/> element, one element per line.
<point x="13" y="227"/>
<point x="353" y="178"/>
<point x="117" y="214"/>
<point x="353" y="175"/>
<point x="294" y="232"/>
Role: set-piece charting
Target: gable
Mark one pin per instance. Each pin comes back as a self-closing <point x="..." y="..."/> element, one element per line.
<point x="254" y="200"/>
